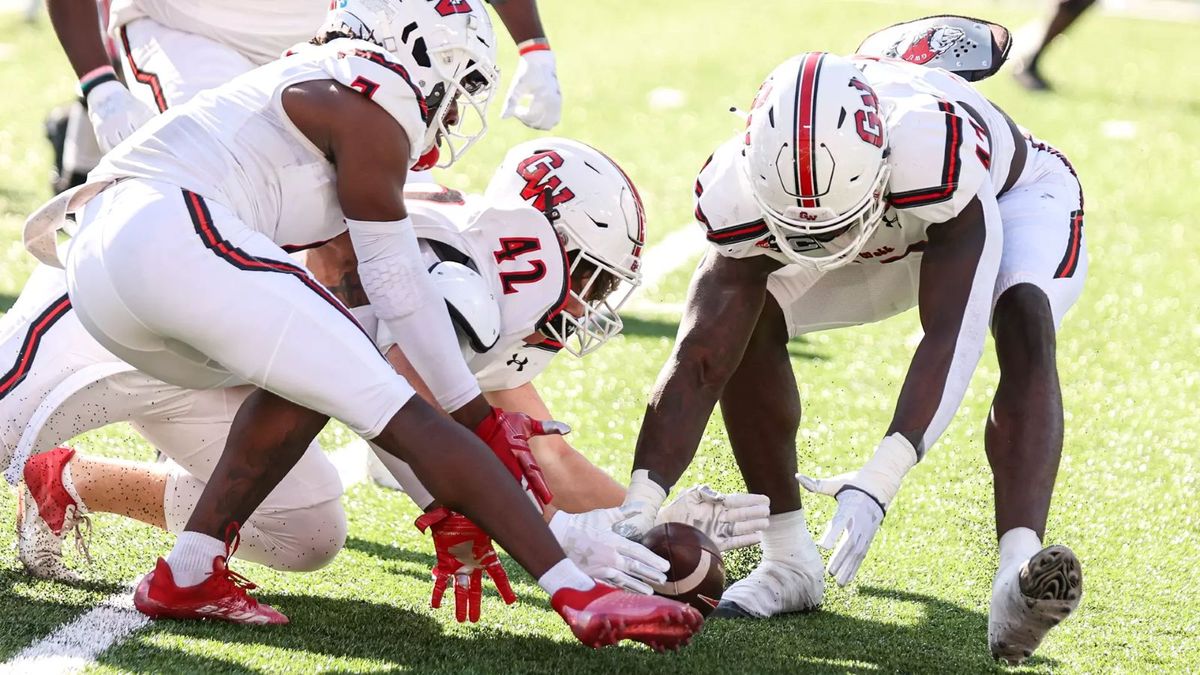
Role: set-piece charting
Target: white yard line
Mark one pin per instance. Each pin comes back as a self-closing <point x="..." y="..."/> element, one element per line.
<point x="75" y="645"/>
<point x="680" y="248"/>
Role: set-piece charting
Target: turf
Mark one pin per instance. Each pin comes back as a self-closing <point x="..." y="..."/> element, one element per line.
<point x="1127" y="356"/>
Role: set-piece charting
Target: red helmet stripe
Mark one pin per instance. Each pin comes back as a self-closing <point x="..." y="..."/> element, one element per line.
<point x="806" y="114"/>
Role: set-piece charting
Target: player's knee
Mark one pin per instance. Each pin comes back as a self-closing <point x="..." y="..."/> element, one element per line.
<point x="1024" y="328"/>
<point x="323" y="537"/>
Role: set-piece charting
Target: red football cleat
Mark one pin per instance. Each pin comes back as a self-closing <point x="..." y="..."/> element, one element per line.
<point x="221" y="596"/>
<point x="605" y="616"/>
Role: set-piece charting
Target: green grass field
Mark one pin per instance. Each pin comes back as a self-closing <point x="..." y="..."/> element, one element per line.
<point x="1127" y="355"/>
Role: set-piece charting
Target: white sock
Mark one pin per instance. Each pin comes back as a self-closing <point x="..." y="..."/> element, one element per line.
<point x="788" y="540"/>
<point x="191" y="561"/>
<point x="565" y="574"/>
<point x="1018" y="545"/>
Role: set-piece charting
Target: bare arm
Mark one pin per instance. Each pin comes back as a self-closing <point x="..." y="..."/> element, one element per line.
<point x="371" y="153"/>
<point x="77" y="25"/>
<point x="958" y="273"/>
<point x="521" y="19"/>
<point x="723" y="306"/>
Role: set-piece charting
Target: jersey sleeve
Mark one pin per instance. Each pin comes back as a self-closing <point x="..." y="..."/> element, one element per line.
<point x="939" y="161"/>
<point x="512" y="369"/>
<point x="725" y="209"/>
<point x="385" y="82"/>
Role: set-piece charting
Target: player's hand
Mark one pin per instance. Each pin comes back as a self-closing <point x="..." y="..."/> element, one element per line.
<point x="640" y="509"/>
<point x="464" y="553"/>
<point x="607" y="556"/>
<point x="862" y="497"/>
<point x="536" y="80"/>
<point x="115" y="113"/>
<point x="731" y="521"/>
<point x="508" y="434"/>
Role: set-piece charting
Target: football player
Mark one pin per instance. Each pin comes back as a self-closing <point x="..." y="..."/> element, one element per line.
<point x="179" y="268"/>
<point x="301" y="526"/>
<point x="862" y="187"/>
<point x="170" y="50"/>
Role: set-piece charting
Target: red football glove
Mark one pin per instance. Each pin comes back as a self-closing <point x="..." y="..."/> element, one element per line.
<point x="464" y="553"/>
<point x="508" y="434"/>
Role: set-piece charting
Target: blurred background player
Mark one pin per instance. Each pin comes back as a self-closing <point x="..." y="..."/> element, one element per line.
<point x="1027" y="68"/>
<point x="170" y="50"/>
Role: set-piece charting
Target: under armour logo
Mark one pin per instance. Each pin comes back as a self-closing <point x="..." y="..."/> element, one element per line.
<point x="518" y="362"/>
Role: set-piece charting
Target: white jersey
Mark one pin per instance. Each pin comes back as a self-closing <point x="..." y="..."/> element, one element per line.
<point x="947" y="143"/>
<point x="518" y="253"/>
<point x="234" y="145"/>
<point x="261" y="30"/>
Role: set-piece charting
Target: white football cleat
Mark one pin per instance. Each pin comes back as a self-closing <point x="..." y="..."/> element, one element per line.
<point x="1031" y="598"/>
<point x="47" y="512"/>
<point x="773" y="588"/>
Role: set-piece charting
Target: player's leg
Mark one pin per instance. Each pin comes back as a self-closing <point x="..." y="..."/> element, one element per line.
<point x="1066" y="12"/>
<point x="761" y="409"/>
<point x="1042" y="272"/>
<point x="164" y="67"/>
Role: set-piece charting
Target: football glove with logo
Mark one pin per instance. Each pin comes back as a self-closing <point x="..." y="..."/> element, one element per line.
<point x="862" y="497"/>
<point x="536" y="80"/>
<point x="731" y="521"/>
<point x="464" y="553"/>
<point x="604" y="555"/>
<point x="115" y="113"/>
<point x="508" y="434"/>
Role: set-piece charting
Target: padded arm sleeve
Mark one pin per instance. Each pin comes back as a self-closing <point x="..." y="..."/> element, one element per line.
<point x="406" y="300"/>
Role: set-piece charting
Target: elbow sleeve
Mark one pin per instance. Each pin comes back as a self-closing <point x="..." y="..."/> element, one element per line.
<point x="408" y="303"/>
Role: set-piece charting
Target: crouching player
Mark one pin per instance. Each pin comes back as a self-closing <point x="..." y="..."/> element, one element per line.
<point x="863" y="187"/>
<point x="179" y="268"/>
<point x="458" y="238"/>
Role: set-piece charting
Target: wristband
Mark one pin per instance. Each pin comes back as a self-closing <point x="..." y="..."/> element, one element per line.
<point x="94" y="78"/>
<point x="533" y="45"/>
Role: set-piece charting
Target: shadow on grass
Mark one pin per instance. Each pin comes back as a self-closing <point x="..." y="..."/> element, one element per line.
<point x="30" y="607"/>
<point x="947" y="638"/>
<point x="6" y="302"/>
<point x="798" y="348"/>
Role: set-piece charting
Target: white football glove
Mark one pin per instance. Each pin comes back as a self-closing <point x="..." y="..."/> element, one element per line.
<point x="535" y="79"/>
<point x="862" y="497"/>
<point x="606" y="556"/>
<point x="731" y="521"/>
<point x="115" y="113"/>
<point x="639" y="512"/>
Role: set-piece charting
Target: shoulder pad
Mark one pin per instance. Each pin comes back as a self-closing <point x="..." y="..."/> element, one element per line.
<point x="937" y="163"/>
<point x="973" y="49"/>
<point x="360" y="66"/>
<point x="726" y="210"/>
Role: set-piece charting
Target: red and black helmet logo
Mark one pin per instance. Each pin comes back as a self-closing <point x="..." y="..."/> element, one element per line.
<point x="448" y="7"/>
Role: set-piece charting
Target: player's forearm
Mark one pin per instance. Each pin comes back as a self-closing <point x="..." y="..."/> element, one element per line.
<point x="77" y="25"/>
<point x="676" y="416"/>
<point x="942" y="366"/>
<point x="521" y="19"/>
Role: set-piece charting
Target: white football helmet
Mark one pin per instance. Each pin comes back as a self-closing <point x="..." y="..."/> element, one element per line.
<point x="600" y="219"/>
<point x="449" y="49"/>
<point x="816" y="159"/>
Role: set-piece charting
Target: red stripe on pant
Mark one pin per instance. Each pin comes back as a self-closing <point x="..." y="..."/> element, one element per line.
<point x="1070" y="260"/>
<point x="33" y="339"/>
<point x="202" y="220"/>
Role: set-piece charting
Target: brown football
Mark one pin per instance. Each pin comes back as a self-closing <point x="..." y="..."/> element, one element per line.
<point x="697" y="574"/>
